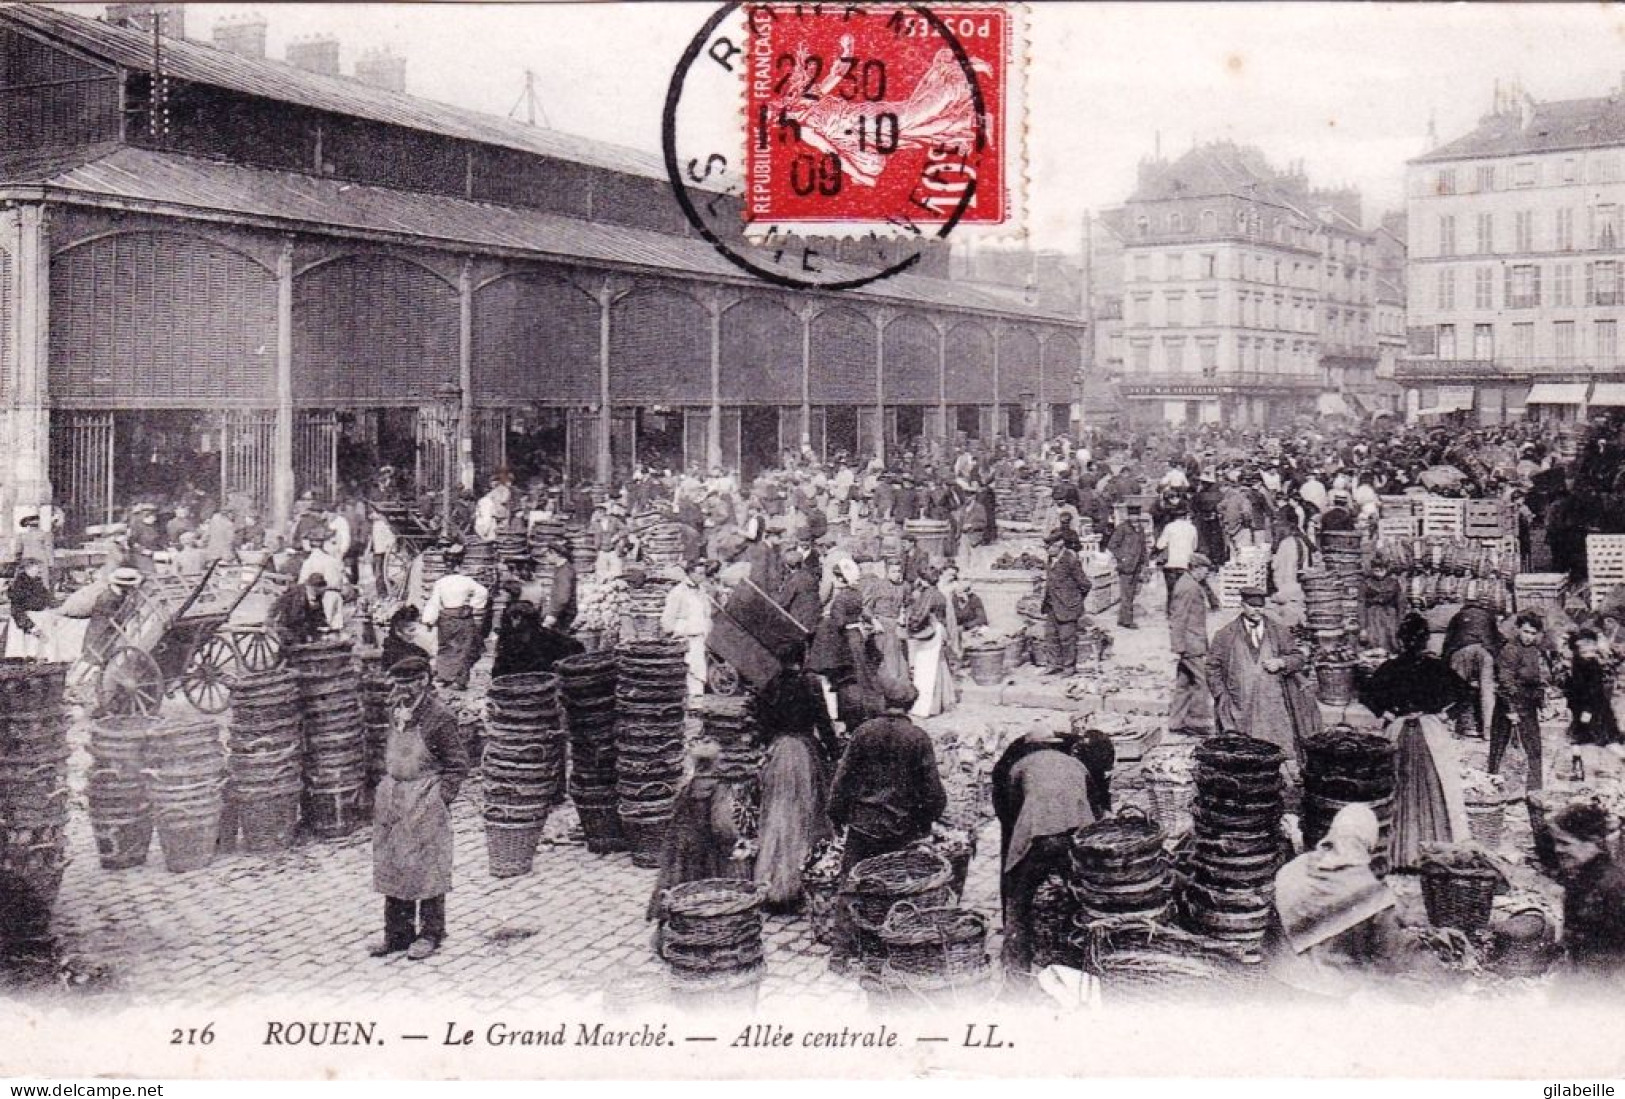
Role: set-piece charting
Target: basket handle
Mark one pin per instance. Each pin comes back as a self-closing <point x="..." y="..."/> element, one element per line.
<point x="1131" y="810"/>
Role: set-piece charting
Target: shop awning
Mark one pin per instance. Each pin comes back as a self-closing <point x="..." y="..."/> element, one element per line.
<point x="1573" y="393"/>
<point x="1608" y="395"/>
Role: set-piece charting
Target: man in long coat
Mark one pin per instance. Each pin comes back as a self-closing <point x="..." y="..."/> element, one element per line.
<point x="1128" y="549"/>
<point x="1190" y="707"/>
<point x="1257" y="672"/>
<point x="425" y="764"/>
<point x="1066" y="589"/>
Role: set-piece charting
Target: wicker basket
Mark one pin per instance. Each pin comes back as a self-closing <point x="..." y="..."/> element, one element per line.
<point x="1142" y="961"/>
<point x="511" y="848"/>
<point x="1169" y="803"/>
<point x="268" y="823"/>
<point x="1487" y="822"/>
<point x="821" y="894"/>
<point x="122" y="843"/>
<point x="189" y="842"/>
<point x="1458" y="899"/>
<point x="646" y="840"/>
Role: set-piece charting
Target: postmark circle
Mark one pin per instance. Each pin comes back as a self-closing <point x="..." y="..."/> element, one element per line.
<point x="767" y="260"/>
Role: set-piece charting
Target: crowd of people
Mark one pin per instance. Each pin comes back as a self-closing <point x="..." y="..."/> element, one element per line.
<point x="885" y="625"/>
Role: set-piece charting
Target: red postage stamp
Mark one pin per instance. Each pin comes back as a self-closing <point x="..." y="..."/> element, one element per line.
<point x="872" y="115"/>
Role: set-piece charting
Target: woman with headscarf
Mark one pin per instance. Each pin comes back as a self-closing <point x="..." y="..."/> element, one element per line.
<point x="1045" y="787"/>
<point x="1336" y="919"/>
<point x="928" y="647"/>
<point x="701" y="838"/>
<point x="1414" y="693"/>
<point x="794" y="725"/>
<point x="1382" y="599"/>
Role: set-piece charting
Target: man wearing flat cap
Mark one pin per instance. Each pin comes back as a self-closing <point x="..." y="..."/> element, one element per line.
<point x="1066" y="589"/>
<point x="425" y="764"/>
<point x="1257" y="671"/>
<point x="1190" y="707"/>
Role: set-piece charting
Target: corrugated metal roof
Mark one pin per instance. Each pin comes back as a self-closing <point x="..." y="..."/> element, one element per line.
<point x="269" y="79"/>
<point x="185" y="183"/>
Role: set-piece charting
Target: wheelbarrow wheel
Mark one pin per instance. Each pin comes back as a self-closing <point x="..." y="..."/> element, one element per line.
<point x="722" y="679"/>
<point x="130" y="683"/>
<point x="206" y="681"/>
<point x="257" y="651"/>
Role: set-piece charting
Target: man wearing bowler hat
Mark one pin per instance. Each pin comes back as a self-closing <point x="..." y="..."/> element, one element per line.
<point x="1256" y="671"/>
<point x="425" y="764"/>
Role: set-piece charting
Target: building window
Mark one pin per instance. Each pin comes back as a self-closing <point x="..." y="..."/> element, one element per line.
<point x="1523" y="286"/>
<point x="1607" y="333"/>
<point x="1563" y="340"/>
<point x="1608" y="168"/>
<point x="1446" y="182"/>
<point x="1140" y="356"/>
<point x="1563" y="284"/>
<point x="1142" y="226"/>
<point x="1563" y="231"/>
<point x="1173" y="354"/>
<point x="1605" y="226"/>
<point x="1447" y="288"/>
<point x="1209" y="308"/>
<point x="1524" y="174"/>
<point x="1602" y="283"/>
<point x="1447" y="235"/>
<point x="1173" y="267"/>
<point x="1486" y="177"/>
<point x="1210" y="223"/>
<point x="1486" y="233"/>
<point x="1571" y="170"/>
<point x="1483" y="288"/>
<point x="1175" y="300"/>
<point x="1447" y="341"/>
<point x="1423" y="339"/>
<point x="1483" y="342"/>
<point x="1523" y="342"/>
<point x="1142" y="268"/>
<point x="1523" y="231"/>
<point x="1208" y="354"/>
<point x="1176" y="222"/>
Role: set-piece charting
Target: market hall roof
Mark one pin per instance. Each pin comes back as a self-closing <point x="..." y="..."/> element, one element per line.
<point x="268" y="79"/>
<point x="1539" y="128"/>
<point x="129" y="177"/>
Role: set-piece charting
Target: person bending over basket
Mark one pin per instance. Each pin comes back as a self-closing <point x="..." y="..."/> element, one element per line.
<point x="425" y="765"/>
<point x="887" y="791"/>
<point x="702" y="834"/>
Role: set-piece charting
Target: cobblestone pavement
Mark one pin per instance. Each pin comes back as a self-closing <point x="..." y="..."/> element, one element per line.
<point x="299" y="923"/>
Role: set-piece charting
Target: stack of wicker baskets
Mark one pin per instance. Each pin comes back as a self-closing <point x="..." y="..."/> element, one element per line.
<point x="1119" y="868"/>
<point x="711" y="940"/>
<point x="1343" y="558"/>
<point x="33" y="803"/>
<point x="523" y="768"/>
<point x="120" y="808"/>
<point x="335" y="739"/>
<point x="1343" y="766"/>
<point x="651" y="691"/>
<point x="266" y="739"/>
<point x="934" y="958"/>
<point x="727" y="720"/>
<point x="186" y="772"/>
<point x="587" y="688"/>
<point x="645" y="604"/>
<point x="921" y="877"/>
<point x="480" y="560"/>
<point x="1228" y="886"/>
<point x="375" y="689"/>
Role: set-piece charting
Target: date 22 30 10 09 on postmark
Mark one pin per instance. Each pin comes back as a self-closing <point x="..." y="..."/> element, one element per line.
<point x="871" y="117"/>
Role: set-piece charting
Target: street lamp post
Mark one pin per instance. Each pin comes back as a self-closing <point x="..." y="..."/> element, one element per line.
<point x="450" y="399"/>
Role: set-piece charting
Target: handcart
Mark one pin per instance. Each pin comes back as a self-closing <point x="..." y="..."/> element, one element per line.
<point x="748" y="632"/>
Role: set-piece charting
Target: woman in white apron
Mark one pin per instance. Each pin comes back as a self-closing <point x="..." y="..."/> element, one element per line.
<point x="425" y="763"/>
<point x="928" y="648"/>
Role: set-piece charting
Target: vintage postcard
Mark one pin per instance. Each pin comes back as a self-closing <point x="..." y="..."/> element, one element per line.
<point x="802" y="540"/>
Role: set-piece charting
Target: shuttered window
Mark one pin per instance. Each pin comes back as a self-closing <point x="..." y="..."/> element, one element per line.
<point x="843" y="358"/>
<point x="912" y="362"/>
<point x="970" y="364"/>
<point x="373" y="330"/>
<point x="659" y="348"/>
<point x="1019" y="363"/>
<point x="535" y="339"/>
<point x="161" y="319"/>
<point x="761" y="353"/>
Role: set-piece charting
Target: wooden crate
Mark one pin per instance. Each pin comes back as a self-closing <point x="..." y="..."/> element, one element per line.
<point x="1486" y="519"/>
<point x="1605" y="562"/>
<point x="1399" y="526"/>
<point x="1400" y="505"/>
<point x="1442" y="518"/>
<point x="1248" y="568"/>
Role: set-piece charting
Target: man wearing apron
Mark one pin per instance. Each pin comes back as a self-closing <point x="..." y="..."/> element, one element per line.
<point x="411" y="833"/>
<point x="456" y="609"/>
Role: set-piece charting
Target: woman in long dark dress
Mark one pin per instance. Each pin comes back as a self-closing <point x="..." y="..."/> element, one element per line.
<point x="795" y="726"/>
<point x="1591" y="704"/>
<point x="1414" y="694"/>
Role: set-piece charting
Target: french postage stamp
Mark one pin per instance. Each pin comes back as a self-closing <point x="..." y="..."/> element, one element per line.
<point x="890" y="116"/>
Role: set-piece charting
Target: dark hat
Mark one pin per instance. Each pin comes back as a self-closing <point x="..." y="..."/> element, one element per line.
<point x="1252" y="593"/>
<point x="411" y="670"/>
<point x="1584" y="821"/>
<point x="316" y="580"/>
<point x="29" y="521"/>
<point x="1201" y="561"/>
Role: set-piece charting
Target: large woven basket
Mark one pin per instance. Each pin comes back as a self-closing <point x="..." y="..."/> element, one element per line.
<point x="1458" y="899"/>
<point x="821" y="894"/>
<point x="1487" y="822"/>
<point x="511" y="848"/>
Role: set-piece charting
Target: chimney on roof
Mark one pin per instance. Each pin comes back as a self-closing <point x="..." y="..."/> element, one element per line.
<point x="315" y="53"/>
<point x="170" y="18"/>
<point x="383" y="68"/>
<point x="243" y="35"/>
